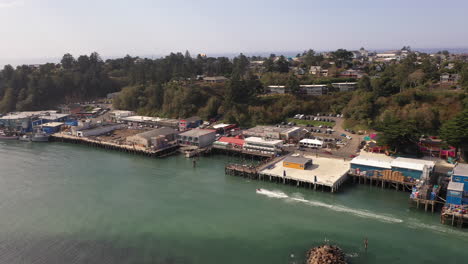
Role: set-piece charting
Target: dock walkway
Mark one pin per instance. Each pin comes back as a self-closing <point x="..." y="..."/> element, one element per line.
<point x="59" y="137"/>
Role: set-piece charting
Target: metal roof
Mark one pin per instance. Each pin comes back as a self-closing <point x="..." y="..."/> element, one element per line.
<point x="262" y="141"/>
<point x="52" y="124"/>
<point x="311" y="141"/>
<point x="461" y="169"/>
<point x="412" y="164"/>
<point x="163" y="131"/>
<point x="372" y="162"/>
<point x="298" y="160"/>
<point x="455" y="186"/>
<point x="197" y="132"/>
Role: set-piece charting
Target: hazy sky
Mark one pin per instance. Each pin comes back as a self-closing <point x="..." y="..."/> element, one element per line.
<point x="50" y="28"/>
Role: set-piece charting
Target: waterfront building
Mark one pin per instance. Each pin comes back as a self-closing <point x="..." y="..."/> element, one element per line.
<point x="414" y="168"/>
<point x="52" y="127"/>
<point x="197" y="137"/>
<point x="311" y="143"/>
<point x="151" y="121"/>
<point x="230" y="142"/>
<point x="298" y="162"/>
<point x="189" y="123"/>
<point x="411" y="168"/>
<point x="272" y="132"/>
<point x="25" y="121"/>
<point x="455" y="193"/>
<point x="257" y="144"/>
<point x="460" y="175"/>
<point x="157" y="136"/>
<point x="96" y="130"/>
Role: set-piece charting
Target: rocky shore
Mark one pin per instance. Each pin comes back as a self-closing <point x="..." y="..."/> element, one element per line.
<point x="326" y="254"/>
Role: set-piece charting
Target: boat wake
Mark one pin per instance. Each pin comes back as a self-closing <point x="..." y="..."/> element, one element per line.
<point x="337" y="208"/>
<point x="415" y="223"/>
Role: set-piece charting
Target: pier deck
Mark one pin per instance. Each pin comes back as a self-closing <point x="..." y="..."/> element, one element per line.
<point x="382" y="182"/>
<point x="113" y="146"/>
<point x="330" y="173"/>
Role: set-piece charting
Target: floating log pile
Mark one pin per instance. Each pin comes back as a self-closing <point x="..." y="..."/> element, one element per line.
<point x="326" y="254"/>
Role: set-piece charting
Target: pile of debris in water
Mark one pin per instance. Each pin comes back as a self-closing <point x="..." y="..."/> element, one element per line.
<point x="326" y="254"/>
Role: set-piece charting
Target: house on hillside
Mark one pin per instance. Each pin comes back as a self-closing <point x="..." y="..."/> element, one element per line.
<point x="215" y="79"/>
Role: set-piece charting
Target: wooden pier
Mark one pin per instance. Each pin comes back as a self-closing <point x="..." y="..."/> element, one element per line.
<point x="255" y="172"/>
<point x="116" y="147"/>
<point x="453" y="219"/>
<point x="382" y="182"/>
<point x="240" y="152"/>
<point x="426" y="203"/>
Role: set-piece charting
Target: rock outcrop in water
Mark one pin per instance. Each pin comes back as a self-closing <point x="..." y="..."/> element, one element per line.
<point x="326" y="254"/>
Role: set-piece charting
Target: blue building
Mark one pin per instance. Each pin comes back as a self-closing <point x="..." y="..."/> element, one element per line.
<point x="411" y="168"/>
<point x="25" y="121"/>
<point x="460" y="175"/>
<point x="52" y="127"/>
<point x="455" y="193"/>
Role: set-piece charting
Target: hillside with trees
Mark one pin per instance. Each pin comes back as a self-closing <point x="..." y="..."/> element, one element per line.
<point x="389" y="95"/>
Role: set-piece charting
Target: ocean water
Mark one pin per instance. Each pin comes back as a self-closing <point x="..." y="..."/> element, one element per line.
<point x="63" y="203"/>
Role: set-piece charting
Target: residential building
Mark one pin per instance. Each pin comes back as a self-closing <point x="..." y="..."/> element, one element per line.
<point x="276" y="89"/>
<point x="318" y="71"/>
<point x="197" y="137"/>
<point x="154" y="138"/>
<point x="314" y="89"/>
<point x="298" y="162"/>
<point x="189" y="123"/>
<point x="448" y="78"/>
<point x="351" y="74"/>
<point x="215" y="79"/>
<point x="257" y="144"/>
<point x="345" y="86"/>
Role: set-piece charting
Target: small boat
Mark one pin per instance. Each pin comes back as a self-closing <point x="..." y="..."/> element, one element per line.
<point x="40" y="137"/>
<point x="26" y="138"/>
<point x="4" y="136"/>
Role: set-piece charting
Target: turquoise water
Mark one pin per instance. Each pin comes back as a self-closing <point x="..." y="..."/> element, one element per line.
<point x="62" y="203"/>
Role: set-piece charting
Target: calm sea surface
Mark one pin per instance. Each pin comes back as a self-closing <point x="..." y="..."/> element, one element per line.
<point x="63" y="203"/>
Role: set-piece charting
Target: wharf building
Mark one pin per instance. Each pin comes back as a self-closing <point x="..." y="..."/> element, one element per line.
<point x="272" y="132"/>
<point x="197" y="137"/>
<point x="371" y="165"/>
<point x="25" y="121"/>
<point x="457" y="191"/>
<point x="157" y="138"/>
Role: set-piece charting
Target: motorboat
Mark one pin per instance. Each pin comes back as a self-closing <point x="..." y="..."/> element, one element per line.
<point x="26" y="138"/>
<point x="4" y="136"/>
<point x="40" y="137"/>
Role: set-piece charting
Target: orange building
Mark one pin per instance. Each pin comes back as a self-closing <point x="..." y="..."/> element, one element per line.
<point x="299" y="163"/>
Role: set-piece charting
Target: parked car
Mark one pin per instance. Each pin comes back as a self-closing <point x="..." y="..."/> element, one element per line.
<point x="349" y="137"/>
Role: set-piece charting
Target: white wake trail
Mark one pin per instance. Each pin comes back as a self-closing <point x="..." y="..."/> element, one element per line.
<point x="336" y="208"/>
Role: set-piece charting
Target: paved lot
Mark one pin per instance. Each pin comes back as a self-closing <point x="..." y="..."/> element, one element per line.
<point x="328" y="170"/>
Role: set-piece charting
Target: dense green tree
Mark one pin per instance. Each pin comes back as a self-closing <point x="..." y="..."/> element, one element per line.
<point x="455" y="132"/>
<point x="400" y="136"/>
<point x="67" y="61"/>
<point x="342" y="57"/>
